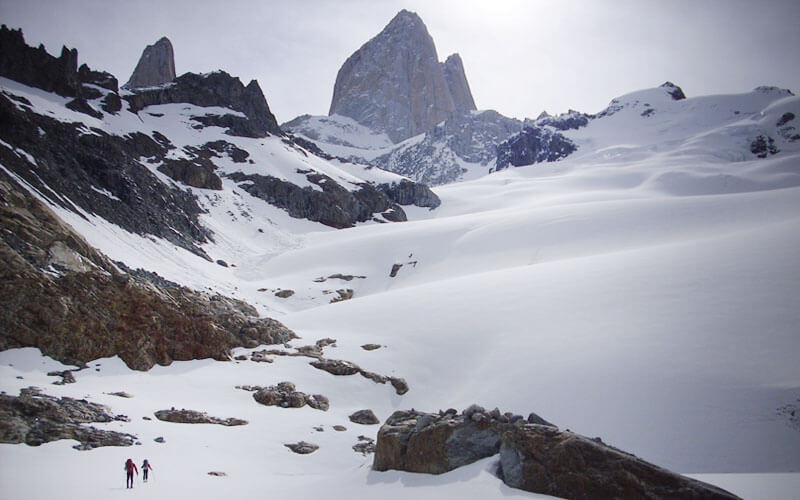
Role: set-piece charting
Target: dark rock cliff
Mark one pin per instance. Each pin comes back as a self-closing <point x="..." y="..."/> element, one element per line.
<point x="533" y="145"/>
<point x="215" y="89"/>
<point x="99" y="174"/>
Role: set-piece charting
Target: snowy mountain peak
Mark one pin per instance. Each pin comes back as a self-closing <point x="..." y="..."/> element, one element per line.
<point x="156" y="66"/>
<point x="674" y="91"/>
<point x="395" y="84"/>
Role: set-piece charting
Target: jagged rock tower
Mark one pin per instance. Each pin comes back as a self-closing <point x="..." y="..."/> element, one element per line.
<point x="155" y="67"/>
<point x="395" y="83"/>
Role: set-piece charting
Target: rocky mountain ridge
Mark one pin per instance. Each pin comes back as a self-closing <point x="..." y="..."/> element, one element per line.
<point x="153" y="162"/>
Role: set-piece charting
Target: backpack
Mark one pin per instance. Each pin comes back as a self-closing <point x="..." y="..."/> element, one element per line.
<point x="128" y="465"/>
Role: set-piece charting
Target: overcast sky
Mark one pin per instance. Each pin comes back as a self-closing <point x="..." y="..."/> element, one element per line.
<point x="520" y="57"/>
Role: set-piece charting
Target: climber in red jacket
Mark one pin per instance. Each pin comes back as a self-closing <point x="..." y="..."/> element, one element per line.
<point x="130" y="468"/>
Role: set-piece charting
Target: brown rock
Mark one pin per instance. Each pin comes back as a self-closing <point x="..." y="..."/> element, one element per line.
<point x="364" y="417"/>
<point x="196" y="417"/>
<point x="302" y="447"/>
<point x="336" y="366"/>
<point x="543" y="459"/>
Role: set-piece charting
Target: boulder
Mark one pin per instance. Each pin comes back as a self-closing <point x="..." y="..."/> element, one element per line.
<point x="196" y="417"/>
<point x="415" y="441"/>
<point x="543" y="459"/>
<point x="302" y="447"/>
<point x="364" y="417"/>
<point x="336" y="366"/>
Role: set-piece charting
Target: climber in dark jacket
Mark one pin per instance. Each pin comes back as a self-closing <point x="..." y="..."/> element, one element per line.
<point x="130" y="468"/>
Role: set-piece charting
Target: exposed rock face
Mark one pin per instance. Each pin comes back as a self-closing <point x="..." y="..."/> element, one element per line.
<point x="571" y="120"/>
<point x="674" y="91"/>
<point x="536" y="457"/>
<point x="75" y="305"/>
<point x="196" y="417"/>
<point x="439" y="157"/>
<point x="156" y="66"/>
<point x="533" y="145"/>
<point x="37" y="68"/>
<point x="456" y="79"/>
<point x="545" y="460"/>
<point x="334" y="206"/>
<point x="435" y="443"/>
<point x="35" y="418"/>
<point x="68" y="160"/>
<point x="395" y="84"/>
<point x="215" y="89"/>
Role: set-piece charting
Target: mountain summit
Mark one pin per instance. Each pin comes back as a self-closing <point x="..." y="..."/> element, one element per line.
<point x="155" y="67"/>
<point x="395" y="83"/>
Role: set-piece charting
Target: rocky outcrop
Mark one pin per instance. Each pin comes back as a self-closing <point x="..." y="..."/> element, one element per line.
<point x="34" y="418"/>
<point x="534" y="455"/>
<point x="674" y="91"/>
<point x="215" y="89"/>
<point x="533" y="145"/>
<point x="439" y="158"/>
<point x="59" y="294"/>
<point x="333" y="206"/>
<point x="156" y="66"/>
<point x="196" y="417"/>
<point x="763" y="146"/>
<point x="456" y="79"/>
<point x="571" y="120"/>
<point x="336" y="366"/>
<point x="37" y="68"/>
<point x="69" y="160"/>
<point x="546" y="460"/>
<point x="415" y="441"/>
<point x="344" y="368"/>
<point x="407" y="192"/>
<point x="286" y="395"/>
<point x="395" y="84"/>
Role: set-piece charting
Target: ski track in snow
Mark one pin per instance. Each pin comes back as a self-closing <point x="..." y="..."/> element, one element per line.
<point x="644" y="291"/>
